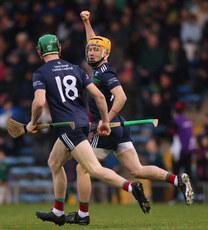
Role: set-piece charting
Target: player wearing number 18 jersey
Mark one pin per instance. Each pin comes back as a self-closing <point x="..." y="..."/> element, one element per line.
<point x="62" y="85"/>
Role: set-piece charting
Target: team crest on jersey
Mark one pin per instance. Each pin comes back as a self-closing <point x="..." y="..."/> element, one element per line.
<point x="94" y="79"/>
<point x="49" y="47"/>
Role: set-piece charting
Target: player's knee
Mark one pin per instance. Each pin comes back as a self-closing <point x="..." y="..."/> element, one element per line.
<point x="50" y="163"/>
<point x="80" y="169"/>
<point x="95" y="172"/>
<point x="53" y="165"/>
<point x="136" y="172"/>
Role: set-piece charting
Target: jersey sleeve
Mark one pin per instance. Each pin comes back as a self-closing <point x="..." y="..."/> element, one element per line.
<point x="38" y="81"/>
<point x="85" y="78"/>
<point x="110" y="80"/>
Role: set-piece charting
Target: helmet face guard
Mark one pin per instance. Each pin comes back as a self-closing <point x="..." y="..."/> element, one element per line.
<point x="101" y="43"/>
<point x="48" y="44"/>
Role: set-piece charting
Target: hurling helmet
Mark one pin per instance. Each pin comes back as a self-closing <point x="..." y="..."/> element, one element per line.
<point x="48" y="44"/>
<point x="105" y="46"/>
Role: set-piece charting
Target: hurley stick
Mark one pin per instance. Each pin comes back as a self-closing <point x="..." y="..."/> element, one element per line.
<point x="16" y="129"/>
<point x="93" y="126"/>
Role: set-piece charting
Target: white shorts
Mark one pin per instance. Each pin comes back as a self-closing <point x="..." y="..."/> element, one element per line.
<point x="101" y="153"/>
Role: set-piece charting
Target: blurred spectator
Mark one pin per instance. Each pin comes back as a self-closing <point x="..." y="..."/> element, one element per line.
<point x="117" y="56"/>
<point x="154" y="157"/>
<point x="201" y="72"/>
<point x="67" y="26"/>
<point x="6" y="143"/>
<point x="152" y="154"/>
<point x="202" y="165"/>
<point x="167" y="88"/>
<point x="8" y="87"/>
<point x="191" y="30"/>
<point x="204" y="125"/>
<point x="155" y="109"/>
<point x="176" y="62"/>
<point x="47" y="25"/>
<point x="171" y="27"/>
<point x="150" y="61"/>
<point x="4" y="186"/>
<point x="26" y="95"/>
<point x="9" y="110"/>
<point x="2" y="70"/>
<point x="169" y="97"/>
<point x="33" y="61"/>
<point x="184" y="143"/>
<point x="202" y="158"/>
<point x="110" y="12"/>
<point x="77" y="44"/>
<point x="191" y="35"/>
<point x="201" y="12"/>
<point x="15" y="61"/>
<point x="129" y="84"/>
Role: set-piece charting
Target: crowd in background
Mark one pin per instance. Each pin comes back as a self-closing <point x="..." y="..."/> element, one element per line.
<point x="157" y="45"/>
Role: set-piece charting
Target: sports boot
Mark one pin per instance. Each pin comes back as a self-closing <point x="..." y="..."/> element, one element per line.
<point x="74" y="218"/>
<point x="138" y="192"/>
<point x="185" y="187"/>
<point x="50" y="216"/>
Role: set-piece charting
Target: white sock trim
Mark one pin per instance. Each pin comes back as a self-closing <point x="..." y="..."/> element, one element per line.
<point x="83" y="214"/>
<point x="130" y="188"/>
<point x="57" y="212"/>
<point x="176" y="181"/>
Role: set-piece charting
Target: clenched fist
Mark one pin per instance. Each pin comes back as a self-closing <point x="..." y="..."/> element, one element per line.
<point x="85" y="15"/>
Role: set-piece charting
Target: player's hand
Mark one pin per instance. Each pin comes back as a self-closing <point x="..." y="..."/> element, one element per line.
<point x="31" y="128"/>
<point x="85" y="15"/>
<point x="103" y="129"/>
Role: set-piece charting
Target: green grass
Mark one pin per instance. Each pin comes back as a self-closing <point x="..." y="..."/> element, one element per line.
<point x="109" y="216"/>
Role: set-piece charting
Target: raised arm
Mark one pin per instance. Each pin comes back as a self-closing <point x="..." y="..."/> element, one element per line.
<point x="85" y="16"/>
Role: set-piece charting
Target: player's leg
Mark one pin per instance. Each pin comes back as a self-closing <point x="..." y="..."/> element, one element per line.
<point x="84" y="191"/>
<point x="58" y="156"/>
<point x="130" y="160"/>
<point x="83" y="153"/>
<point x="83" y="184"/>
<point x="128" y="157"/>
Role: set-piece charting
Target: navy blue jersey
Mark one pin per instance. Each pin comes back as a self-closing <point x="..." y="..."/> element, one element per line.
<point x="105" y="79"/>
<point x="64" y="84"/>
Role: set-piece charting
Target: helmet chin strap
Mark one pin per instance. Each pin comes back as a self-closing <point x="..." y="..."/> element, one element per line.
<point x="95" y="63"/>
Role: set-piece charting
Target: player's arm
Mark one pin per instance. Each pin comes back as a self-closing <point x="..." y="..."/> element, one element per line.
<point x="37" y="108"/>
<point x="119" y="101"/>
<point x="85" y="16"/>
<point x="102" y="106"/>
<point x="100" y="101"/>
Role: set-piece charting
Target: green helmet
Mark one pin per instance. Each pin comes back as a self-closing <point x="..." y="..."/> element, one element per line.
<point x="48" y="44"/>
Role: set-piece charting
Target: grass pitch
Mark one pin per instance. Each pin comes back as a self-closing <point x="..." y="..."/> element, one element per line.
<point x="110" y="216"/>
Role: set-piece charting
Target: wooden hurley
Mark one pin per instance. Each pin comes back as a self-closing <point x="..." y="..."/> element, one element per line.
<point x="17" y="129"/>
